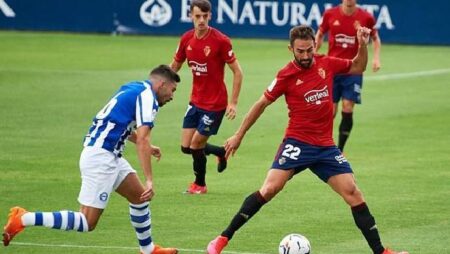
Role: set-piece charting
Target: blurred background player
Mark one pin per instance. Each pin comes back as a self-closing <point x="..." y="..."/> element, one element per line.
<point x="306" y="83"/>
<point x="341" y="24"/>
<point x="207" y="51"/>
<point x="128" y="115"/>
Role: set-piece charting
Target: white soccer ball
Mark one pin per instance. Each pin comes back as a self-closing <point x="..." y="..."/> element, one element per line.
<point x="294" y="244"/>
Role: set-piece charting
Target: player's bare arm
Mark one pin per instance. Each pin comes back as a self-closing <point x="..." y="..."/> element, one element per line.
<point x="237" y="83"/>
<point x="319" y="40"/>
<point x="144" y="152"/>
<point x="233" y="143"/>
<point x="376" y="44"/>
<point x="156" y="151"/>
<point x="359" y="62"/>
<point x="175" y="65"/>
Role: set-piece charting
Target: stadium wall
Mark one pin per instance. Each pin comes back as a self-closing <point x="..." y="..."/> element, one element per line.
<point x="410" y="22"/>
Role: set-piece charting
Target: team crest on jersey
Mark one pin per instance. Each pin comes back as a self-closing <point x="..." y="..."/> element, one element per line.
<point x="322" y="73"/>
<point x="336" y="23"/>
<point x="207" y="50"/>
<point x="189" y="48"/>
<point x="299" y="82"/>
<point x="356" y="25"/>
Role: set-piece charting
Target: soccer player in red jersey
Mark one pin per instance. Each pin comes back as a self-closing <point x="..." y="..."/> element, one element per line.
<point x="341" y="24"/>
<point x="206" y="51"/>
<point x="306" y="83"/>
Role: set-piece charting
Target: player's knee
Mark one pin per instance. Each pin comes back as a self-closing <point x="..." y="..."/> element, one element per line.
<point x="353" y="195"/>
<point x="185" y="150"/>
<point x="270" y="191"/>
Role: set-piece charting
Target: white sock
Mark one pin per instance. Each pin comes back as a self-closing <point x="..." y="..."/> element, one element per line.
<point x="141" y="220"/>
<point x="63" y="220"/>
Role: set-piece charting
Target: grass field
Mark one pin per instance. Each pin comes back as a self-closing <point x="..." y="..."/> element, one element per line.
<point x="51" y="85"/>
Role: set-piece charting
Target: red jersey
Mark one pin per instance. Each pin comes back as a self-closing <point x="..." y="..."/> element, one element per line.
<point x="308" y="94"/>
<point x="207" y="57"/>
<point x="342" y="28"/>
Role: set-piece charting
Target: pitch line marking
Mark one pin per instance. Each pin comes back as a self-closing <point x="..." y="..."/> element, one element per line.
<point x="113" y="247"/>
<point x="374" y="77"/>
<point x="407" y="74"/>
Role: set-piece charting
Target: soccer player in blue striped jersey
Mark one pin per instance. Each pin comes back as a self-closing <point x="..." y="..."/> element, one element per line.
<point x="129" y="115"/>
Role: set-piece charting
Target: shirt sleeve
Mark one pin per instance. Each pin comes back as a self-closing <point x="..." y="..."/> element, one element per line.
<point x="339" y="65"/>
<point x="227" y="53"/>
<point x="146" y="109"/>
<point x="371" y="24"/>
<point x="180" y="53"/>
<point x="324" y="25"/>
<point x="276" y="88"/>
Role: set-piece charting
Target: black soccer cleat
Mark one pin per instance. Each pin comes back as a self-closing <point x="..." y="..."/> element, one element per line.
<point x="221" y="164"/>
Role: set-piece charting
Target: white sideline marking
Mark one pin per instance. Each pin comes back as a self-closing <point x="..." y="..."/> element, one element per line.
<point x="374" y="77"/>
<point x="113" y="247"/>
<point x="407" y="75"/>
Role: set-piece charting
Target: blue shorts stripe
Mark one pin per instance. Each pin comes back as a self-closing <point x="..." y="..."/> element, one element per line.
<point x="57" y="220"/>
<point x="140" y="219"/>
<point x="70" y="220"/>
<point x="38" y="219"/>
<point x="145" y="242"/>
<point x="144" y="229"/>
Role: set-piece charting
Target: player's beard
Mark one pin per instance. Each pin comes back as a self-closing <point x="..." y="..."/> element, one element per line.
<point x="304" y="63"/>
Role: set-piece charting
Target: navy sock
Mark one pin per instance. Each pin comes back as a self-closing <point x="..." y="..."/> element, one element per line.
<point x="250" y="207"/>
<point x="199" y="166"/>
<point x="216" y="150"/>
<point x="366" y="223"/>
<point x="344" y="129"/>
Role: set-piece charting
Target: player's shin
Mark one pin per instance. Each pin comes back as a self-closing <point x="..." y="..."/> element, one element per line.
<point x="250" y="207"/>
<point x="141" y="221"/>
<point x="344" y="129"/>
<point x="213" y="149"/>
<point x="63" y="220"/>
<point x="199" y="165"/>
<point x="366" y="223"/>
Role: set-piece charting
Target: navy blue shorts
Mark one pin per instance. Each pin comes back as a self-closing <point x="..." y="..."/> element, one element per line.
<point x="324" y="161"/>
<point x="347" y="87"/>
<point x="206" y="122"/>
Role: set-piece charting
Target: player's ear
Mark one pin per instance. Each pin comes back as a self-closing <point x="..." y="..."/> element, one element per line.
<point x="290" y="48"/>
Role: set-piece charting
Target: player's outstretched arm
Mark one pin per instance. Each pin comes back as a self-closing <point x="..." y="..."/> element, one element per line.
<point x="233" y="143"/>
<point x="359" y="62"/>
<point x="237" y="83"/>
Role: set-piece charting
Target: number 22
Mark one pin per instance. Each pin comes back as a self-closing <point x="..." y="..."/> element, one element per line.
<point x="291" y="151"/>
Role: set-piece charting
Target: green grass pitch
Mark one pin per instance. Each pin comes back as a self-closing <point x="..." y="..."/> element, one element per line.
<point x="52" y="84"/>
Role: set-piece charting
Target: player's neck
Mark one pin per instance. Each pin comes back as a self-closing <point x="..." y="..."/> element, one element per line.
<point x="200" y="34"/>
<point x="348" y="10"/>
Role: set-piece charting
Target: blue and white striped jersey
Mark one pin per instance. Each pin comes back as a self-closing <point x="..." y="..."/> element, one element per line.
<point x="133" y="105"/>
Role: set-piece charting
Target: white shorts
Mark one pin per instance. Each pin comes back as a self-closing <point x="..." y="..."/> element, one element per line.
<point x="101" y="173"/>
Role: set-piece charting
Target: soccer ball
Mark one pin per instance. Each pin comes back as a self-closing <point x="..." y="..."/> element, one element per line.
<point x="294" y="244"/>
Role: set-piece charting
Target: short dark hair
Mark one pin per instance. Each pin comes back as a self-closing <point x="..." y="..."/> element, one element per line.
<point x="166" y="72"/>
<point x="301" y="32"/>
<point x="203" y="5"/>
